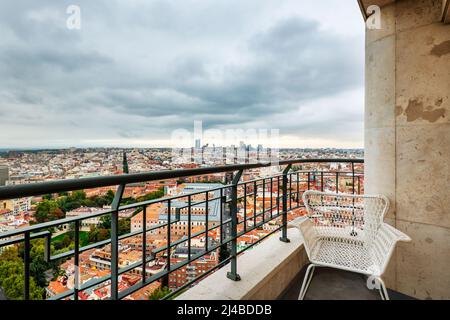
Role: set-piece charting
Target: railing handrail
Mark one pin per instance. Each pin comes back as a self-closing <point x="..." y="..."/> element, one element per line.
<point x="41" y="188"/>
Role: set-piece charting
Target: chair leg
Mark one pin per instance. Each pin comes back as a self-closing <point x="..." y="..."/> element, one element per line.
<point x="306" y="281"/>
<point x="383" y="291"/>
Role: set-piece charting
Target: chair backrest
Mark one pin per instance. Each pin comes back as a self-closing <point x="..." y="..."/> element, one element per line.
<point x="344" y="215"/>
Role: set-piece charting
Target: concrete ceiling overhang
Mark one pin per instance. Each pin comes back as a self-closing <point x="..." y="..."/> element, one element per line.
<point x="364" y="4"/>
<point x="446" y="11"/>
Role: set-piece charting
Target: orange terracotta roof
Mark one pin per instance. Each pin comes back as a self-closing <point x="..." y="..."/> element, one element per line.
<point x="152" y="213"/>
<point x="56" y="287"/>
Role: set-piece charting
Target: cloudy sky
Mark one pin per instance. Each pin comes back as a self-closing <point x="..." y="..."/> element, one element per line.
<point x="138" y="70"/>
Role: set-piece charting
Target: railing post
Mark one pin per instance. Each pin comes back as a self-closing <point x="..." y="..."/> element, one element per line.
<point x="284" y="237"/>
<point x="47" y="247"/>
<point x="309" y="180"/>
<point x="353" y="178"/>
<point x="222" y="201"/>
<point x="189" y="226"/>
<point x="322" y="187"/>
<point x="353" y="233"/>
<point x="144" y="244"/>
<point x="337" y="182"/>
<point x="115" y="242"/>
<point x="206" y="221"/>
<point x="233" y="275"/>
<point x="165" y="279"/>
<point x="26" y="261"/>
<point x="76" y="260"/>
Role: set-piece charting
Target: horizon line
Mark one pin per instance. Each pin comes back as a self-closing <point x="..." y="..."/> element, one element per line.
<point x="165" y="147"/>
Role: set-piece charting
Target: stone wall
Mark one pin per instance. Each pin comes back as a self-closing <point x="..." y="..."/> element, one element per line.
<point x="407" y="140"/>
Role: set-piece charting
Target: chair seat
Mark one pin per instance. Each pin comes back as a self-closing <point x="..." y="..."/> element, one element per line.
<point x="343" y="253"/>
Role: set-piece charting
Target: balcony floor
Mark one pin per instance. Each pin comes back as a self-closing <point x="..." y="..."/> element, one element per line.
<point x="331" y="284"/>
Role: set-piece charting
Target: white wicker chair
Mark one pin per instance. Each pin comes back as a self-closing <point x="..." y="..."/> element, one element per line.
<point x="347" y="232"/>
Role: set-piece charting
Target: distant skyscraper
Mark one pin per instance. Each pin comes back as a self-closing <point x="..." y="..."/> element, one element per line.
<point x="197" y="144"/>
<point x="4" y="175"/>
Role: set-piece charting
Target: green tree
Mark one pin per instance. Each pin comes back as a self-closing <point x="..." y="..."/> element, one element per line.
<point x="124" y="226"/>
<point x="47" y="197"/>
<point x="38" y="266"/>
<point x="78" y="195"/>
<point x="48" y="210"/>
<point x="73" y="201"/>
<point x="152" y="195"/>
<point x="98" y="234"/>
<point x="64" y="242"/>
<point x="105" y="222"/>
<point x="159" y="293"/>
<point x="110" y="196"/>
<point x="12" y="276"/>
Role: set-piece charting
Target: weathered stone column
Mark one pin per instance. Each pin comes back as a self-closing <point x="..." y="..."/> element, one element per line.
<point x="407" y="138"/>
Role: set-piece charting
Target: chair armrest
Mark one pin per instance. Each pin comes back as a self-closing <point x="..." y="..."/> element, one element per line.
<point x="297" y="222"/>
<point x="384" y="244"/>
<point x="308" y="232"/>
<point x="400" y="235"/>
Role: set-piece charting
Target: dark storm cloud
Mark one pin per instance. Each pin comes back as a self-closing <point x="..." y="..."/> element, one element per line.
<point x="290" y="62"/>
<point x="160" y="65"/>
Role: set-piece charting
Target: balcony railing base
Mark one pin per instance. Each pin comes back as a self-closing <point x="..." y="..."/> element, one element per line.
<point x="233" y="276"/>
<point x="282" y="263"/>
<point x="284" y="239"/>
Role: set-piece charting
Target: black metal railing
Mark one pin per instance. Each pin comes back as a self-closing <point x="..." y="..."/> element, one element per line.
<point x="230" y="198"/>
